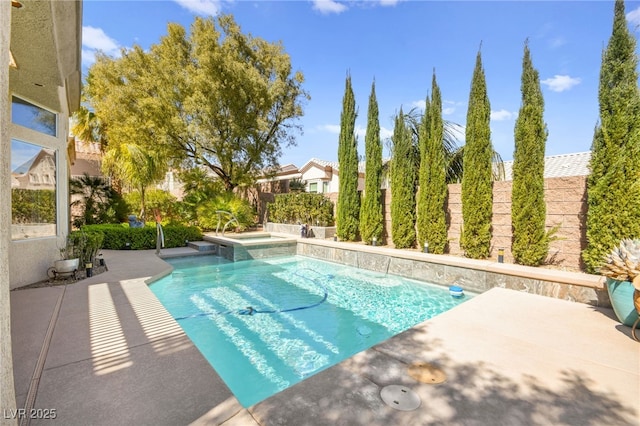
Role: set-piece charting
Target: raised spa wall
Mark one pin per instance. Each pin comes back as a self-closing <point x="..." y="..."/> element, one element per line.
<point x="235" y="249"/>
<point x="472" y="275"/>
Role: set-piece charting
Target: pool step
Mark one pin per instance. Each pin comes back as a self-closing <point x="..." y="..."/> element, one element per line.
<point x="203" y="246"/>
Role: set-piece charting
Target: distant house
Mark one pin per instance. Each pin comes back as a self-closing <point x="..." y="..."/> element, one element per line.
<point x="277" y="182"/>
<point x="88" y="159"/>
<point x="37" y="173"/>
<point x="562" y="165"/>
<point x="323" y="176"/>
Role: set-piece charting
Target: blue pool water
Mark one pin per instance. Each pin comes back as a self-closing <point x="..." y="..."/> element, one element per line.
<point x="265" y="325"/>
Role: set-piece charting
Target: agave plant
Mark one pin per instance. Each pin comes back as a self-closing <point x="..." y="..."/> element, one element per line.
<point x="623" y="263"/>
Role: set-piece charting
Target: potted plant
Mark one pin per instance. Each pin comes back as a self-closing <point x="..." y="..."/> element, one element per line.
<point x="69" y="259"/>
<point x="622" y="269"/>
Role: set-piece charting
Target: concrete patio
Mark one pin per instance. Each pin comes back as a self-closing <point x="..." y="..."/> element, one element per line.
<point x="103" y="351"/>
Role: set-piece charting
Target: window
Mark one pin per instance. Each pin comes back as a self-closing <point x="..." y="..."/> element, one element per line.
<point x="33" y="117"/>
<point x="33" y="191"/>
<point x="313" y="187"/>
<point x="325" y="187"/>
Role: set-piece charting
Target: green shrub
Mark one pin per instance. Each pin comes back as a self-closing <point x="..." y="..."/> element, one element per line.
<point x="155" y="199"/>
<point x="33" y="206"/>
<point x="84" y="245"/>
<point x="228" y="202"/>
<point x="116" y="237"/>
<point x="301" y="207"/>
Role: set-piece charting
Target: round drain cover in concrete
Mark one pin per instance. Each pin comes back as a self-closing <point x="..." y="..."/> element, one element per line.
<point x="400" y="397"/>
<point x="425" y="372"/>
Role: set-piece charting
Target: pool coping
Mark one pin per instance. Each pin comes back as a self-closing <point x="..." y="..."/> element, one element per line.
<point x="476" y="275"/>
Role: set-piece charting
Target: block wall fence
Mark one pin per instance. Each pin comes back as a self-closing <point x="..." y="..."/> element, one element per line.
<point x="566" y="200"/>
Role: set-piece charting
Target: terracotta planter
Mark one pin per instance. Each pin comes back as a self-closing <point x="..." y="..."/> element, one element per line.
<point x="621" y="296"/>
<point x="66" y="266"/>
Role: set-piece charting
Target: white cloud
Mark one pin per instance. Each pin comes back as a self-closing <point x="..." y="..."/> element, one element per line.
<point x="419" y="104"/>
<point x="560" y="83"/>
<point x="557" y="42"/>
<point x="328" y="6"/>
<point x="634" y="17"/>
<point x="331" y="128"/>
<point x="446" y="110"/>
<point x="94" y="39"/>
<point x="385" y="133"/>
<point x="201" y="7"/>
<point x="389" y="2"/>
<point x="502" y="115"/>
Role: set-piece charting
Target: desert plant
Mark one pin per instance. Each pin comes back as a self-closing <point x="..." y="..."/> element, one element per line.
<point x="623" y="262"/>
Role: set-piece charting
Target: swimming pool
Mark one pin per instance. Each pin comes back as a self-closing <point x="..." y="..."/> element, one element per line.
<point x="267" y="324"/>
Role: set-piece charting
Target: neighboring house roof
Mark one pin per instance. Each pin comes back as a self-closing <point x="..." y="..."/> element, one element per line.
<point x="288" y="171"/>
<point x="27" y="165"/>
<point x="563" y="165"/>
<point x="333" y="164"/>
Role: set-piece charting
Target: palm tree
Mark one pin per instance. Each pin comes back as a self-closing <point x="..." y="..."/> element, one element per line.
<point x="88" y="127"/>
<point x="136" y="166"/>
<point x="452" y="152"/>
<point x="95" y="197"/>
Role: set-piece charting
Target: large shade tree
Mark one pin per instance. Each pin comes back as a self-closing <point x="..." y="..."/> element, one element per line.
<point x="215" y="97"/>
<point x="613" y="187"/>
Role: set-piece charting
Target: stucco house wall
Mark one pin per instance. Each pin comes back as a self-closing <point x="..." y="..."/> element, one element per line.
<point x="43" y="40"/>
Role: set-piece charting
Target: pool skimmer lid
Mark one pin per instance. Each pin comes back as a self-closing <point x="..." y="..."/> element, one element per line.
<point x="400" y="397"/>
<point x="425" y="372"/>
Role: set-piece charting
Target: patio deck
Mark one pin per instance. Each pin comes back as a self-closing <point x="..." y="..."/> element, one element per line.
<point x="103" y="351"/>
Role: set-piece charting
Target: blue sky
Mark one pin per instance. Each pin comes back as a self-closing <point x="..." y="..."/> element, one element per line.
<point x="400" y="43"/>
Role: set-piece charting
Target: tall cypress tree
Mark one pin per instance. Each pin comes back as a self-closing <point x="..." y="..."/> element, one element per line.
<point x="477" y="185"/>
<point x="432" y="226"/>
<point x="371" y="216"/>
<point x="403" y="182"/>
<point x="530" y="244"/>
<point x="613" y="187"/>
<point x="348" y="208"/>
